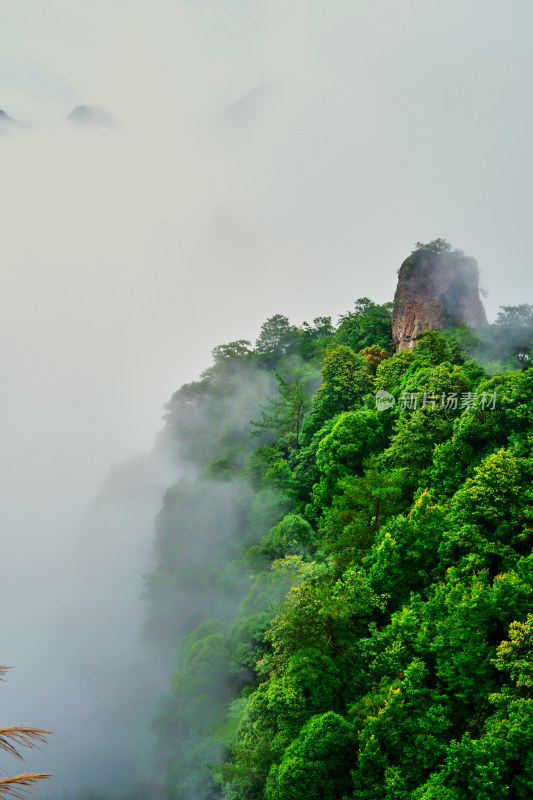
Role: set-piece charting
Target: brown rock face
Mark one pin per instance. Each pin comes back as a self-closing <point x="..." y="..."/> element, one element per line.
<point x="435" y="291"/>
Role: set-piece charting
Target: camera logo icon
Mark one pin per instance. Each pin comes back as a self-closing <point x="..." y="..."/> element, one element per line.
<point x="384" y="400"/>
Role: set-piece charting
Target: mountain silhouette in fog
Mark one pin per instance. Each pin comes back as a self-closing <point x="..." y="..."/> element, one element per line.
<point x="83" y="115"/>
<point x="7" y="123"/>
<point x="91" y="115"/>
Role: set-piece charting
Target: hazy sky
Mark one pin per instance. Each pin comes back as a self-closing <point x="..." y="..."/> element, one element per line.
<point x="269" y="156"/>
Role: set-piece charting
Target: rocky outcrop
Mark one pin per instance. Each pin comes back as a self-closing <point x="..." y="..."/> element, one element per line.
<point x="437" y="288"/>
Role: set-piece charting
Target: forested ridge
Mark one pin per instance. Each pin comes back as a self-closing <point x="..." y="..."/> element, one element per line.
<point x="343" y="578"/>
<point x="347" y="588"/>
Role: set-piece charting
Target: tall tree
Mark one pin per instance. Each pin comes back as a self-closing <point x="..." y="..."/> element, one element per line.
<point x="369" y="324"/>
<point x="284" y="414"/>
<point x="513" y="334"/>
<point x="276" y="339"/>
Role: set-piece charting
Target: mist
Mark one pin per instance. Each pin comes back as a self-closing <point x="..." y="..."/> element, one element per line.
<point x="264" y="159"/>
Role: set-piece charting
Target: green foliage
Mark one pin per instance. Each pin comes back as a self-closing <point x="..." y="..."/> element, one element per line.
<point x="345" y="382"/>
<point x="506" y="344"/>
<point x="350" y="604"/>
<point x="368" y="325"/>
<point x="276" y="340"/>
<point x="415" y="438"/>
<point x="317" y="763"/>
<point x="315" y="338"/>
<point x="513" y="335"/>
<point x="292" y="536"/>
<point x="354" y="437"/>
<point x="228" y="353"/>
<point x="285" y="413"/>
<point x="515" y="656"/>
<point x="430" y="250"/>
<point x="390" y="371"/>
<point x="434" y="248"/>
<point x="359" y="509"/>
<point x="435" y="346"/>
<point x="374" y="355"/>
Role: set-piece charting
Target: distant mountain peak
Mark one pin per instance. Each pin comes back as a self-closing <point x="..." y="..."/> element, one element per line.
<point x="7" y="123"/>
<point x="91" y="115"/>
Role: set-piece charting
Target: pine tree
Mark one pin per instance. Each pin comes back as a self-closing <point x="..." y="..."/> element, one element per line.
<point x="284" y="414"/>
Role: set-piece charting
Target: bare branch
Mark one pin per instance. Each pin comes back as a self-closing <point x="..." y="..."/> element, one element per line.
<point x="20" y="785"/>
<point x="21" y="736"/>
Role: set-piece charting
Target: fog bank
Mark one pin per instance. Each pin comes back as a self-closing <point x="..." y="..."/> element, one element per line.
<point x="266" y="158"/>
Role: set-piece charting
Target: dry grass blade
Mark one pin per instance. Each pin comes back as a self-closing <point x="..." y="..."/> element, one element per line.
<point x="20" y="735"/>
<point x="20" y="785"/>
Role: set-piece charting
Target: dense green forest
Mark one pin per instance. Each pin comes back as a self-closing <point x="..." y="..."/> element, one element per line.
<point x="347" y="588"/>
